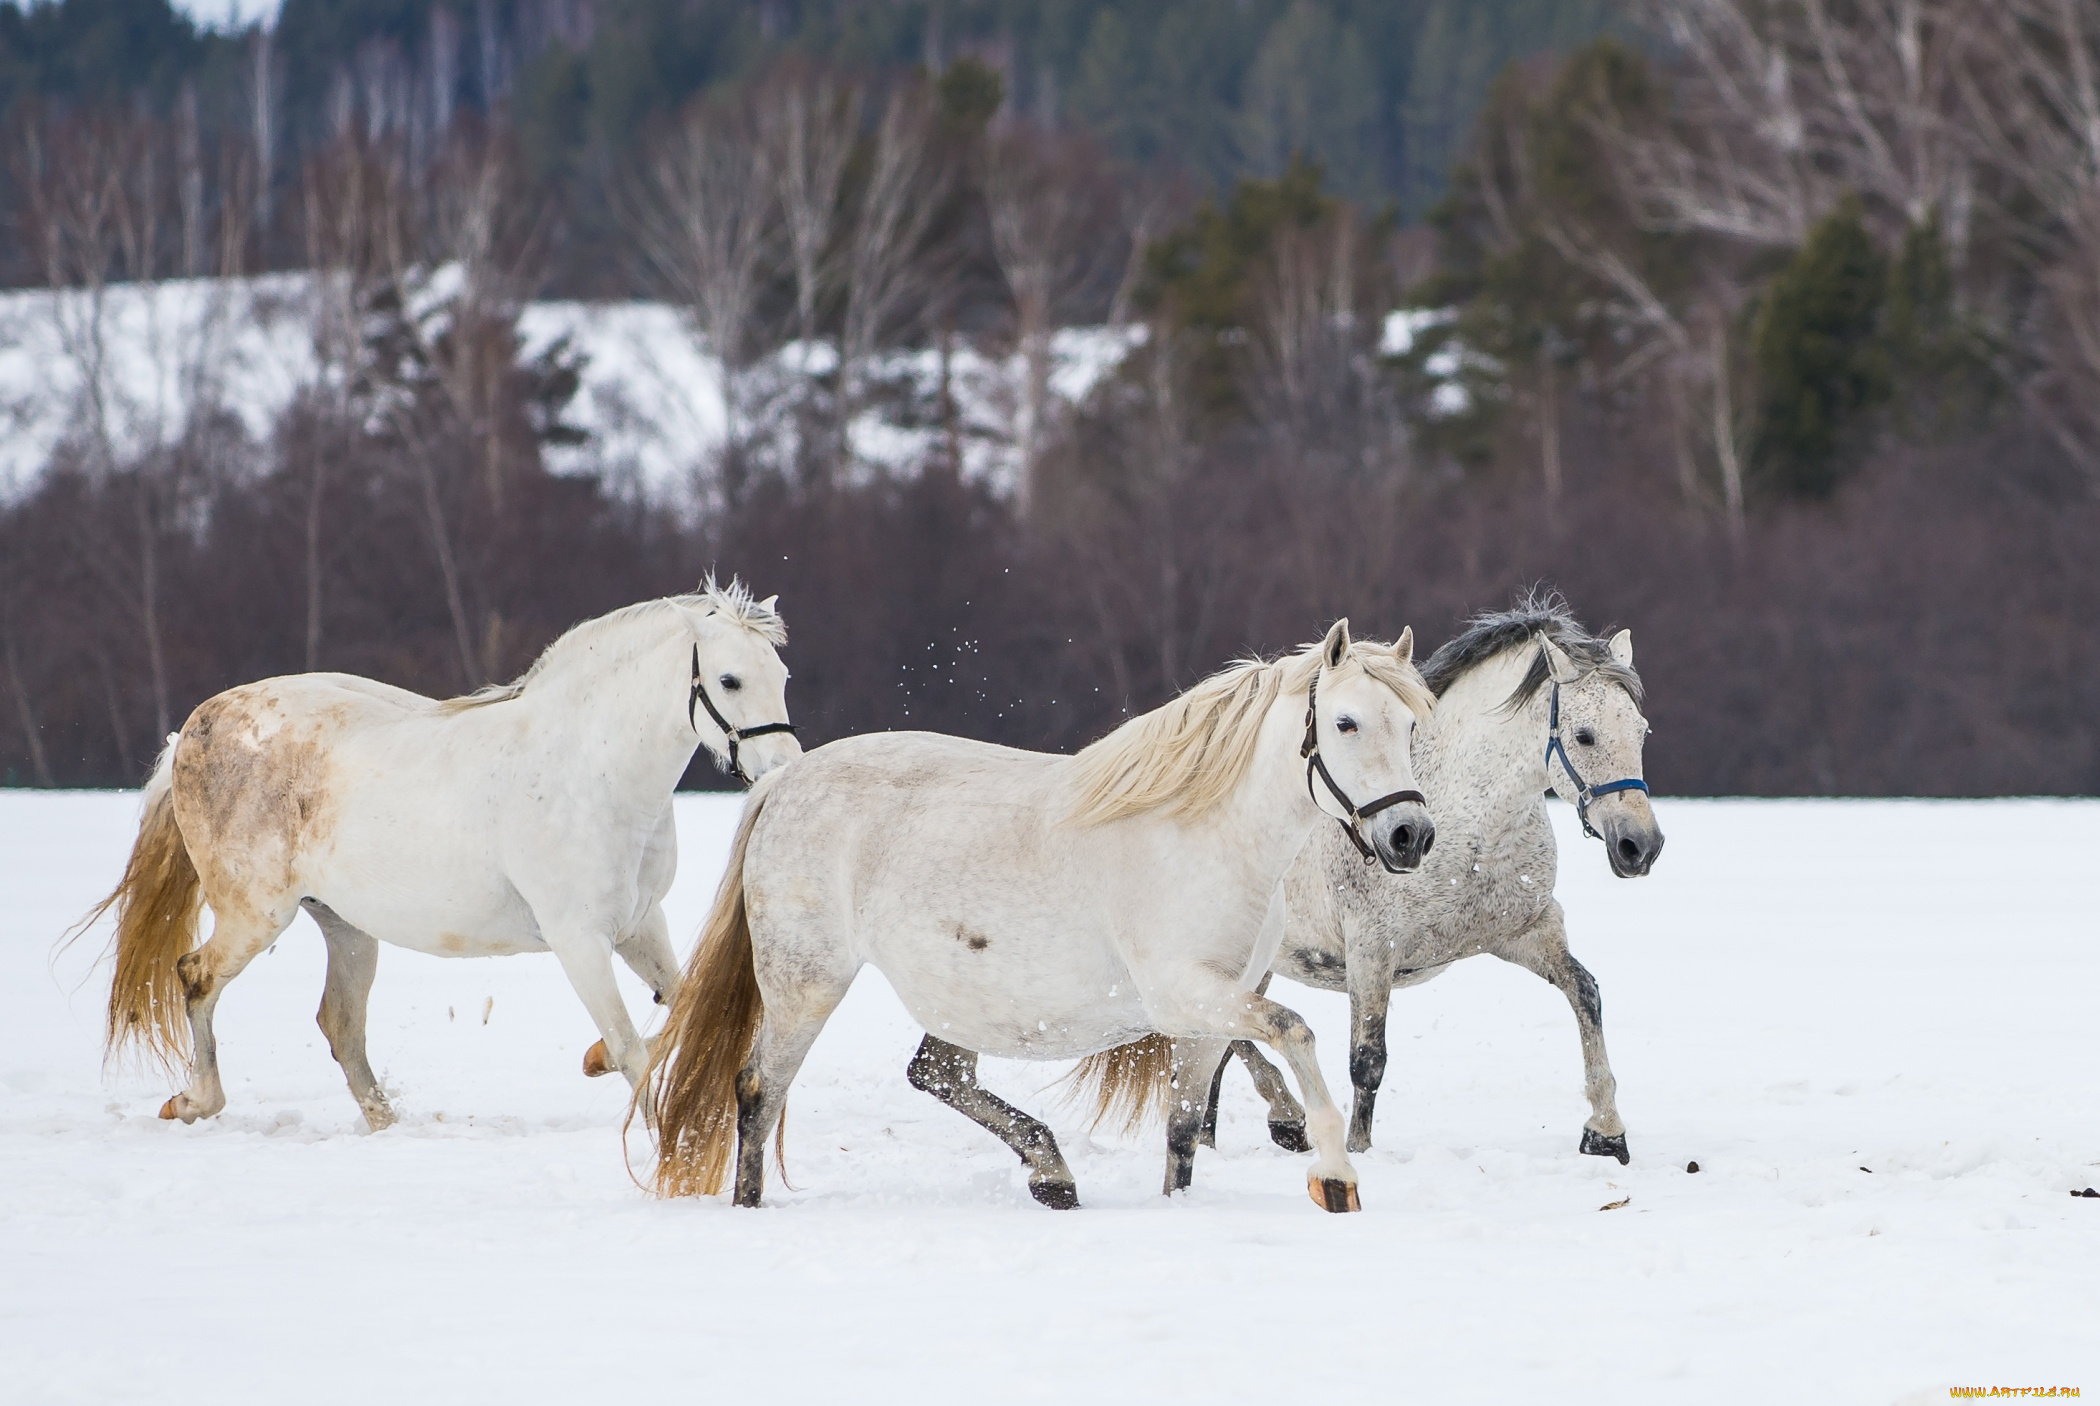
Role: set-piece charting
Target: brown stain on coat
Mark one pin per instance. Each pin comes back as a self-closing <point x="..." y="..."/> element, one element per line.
<point x="251" y="794"/>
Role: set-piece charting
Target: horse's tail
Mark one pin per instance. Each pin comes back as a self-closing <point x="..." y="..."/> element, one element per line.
<point x="708" y="1036"/>
<point x="157" y="903"/>
<point x="1133" y="1083"/>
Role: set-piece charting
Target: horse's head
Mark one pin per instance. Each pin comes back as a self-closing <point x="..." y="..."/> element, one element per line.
<point x="738" y="702"/>
<point x="1359" y="741"/>
<point x="1597" y="765"/>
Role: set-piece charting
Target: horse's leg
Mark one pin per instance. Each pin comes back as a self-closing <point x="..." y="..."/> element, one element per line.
<point x="1286" y="1114"/>
<point x="585" y="952"/>
<point x="353" y="958"/>
<point x="784" y="1038"/>
<point x="238" y="934"/>
<point x="949" y="1073"/>
<point x="646" y="950"/>
<point x="1370" y="997"/>
<point x="1543" y="950"/>
<point x="1203" y="1005"/>
<point x="1198" y="1064"/>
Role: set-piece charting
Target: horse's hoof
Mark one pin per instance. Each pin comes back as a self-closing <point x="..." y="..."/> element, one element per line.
<point x="596" y="1061"/>
<point x="378" y="1120"/>
<point x="1333" y="1194"/>
<point x="1289" y="1136"/>
<point x="1057" y="1195"/>
<point x="167" y="1111"/>
<point x="1596" y="1144"/>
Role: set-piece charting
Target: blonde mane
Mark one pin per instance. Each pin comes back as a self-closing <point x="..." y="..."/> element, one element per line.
<point x="733" y="602"/>
<point x="1186" y="757"/>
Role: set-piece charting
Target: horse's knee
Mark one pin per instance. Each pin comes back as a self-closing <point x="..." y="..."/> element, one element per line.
<point x="196" y="976"/>
<point x="1367" y="1065"/>
<point x="934" y="1071"/>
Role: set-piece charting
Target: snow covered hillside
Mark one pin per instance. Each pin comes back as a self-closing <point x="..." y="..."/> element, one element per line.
<point x="141" y="357"/>
<point x="1871" y="1024"/>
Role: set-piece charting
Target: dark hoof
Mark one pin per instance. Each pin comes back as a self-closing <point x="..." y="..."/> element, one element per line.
<point x="1057" y="1195"/>
<point x="1332" y="1194"/>
<point x="1289" y="1136"/>
<point x="1595" y="1144"/>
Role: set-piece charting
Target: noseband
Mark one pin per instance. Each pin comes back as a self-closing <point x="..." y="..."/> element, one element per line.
<point x="699" y="698"/>
<point x="1353" y="827"/>
<point x="1584" y="792"/>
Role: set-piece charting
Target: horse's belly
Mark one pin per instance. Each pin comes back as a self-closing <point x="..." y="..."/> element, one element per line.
<point x="1013" y="1008"/>
<point x="444" y="924"/>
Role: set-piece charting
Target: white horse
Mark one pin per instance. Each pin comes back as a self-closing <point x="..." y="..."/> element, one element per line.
<point x="528" y="818"/>
<point x="1527" y="701"/>
<point x="1036" y="907"/>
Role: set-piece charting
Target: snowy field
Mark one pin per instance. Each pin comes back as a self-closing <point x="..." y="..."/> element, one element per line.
<point x="1875" y="1026"/>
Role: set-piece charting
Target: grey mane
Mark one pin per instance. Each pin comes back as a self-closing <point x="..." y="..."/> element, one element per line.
<point x="1494" y="633"/>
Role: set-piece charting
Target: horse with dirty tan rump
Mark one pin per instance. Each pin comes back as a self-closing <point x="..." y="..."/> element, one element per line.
<point x="534" y="817"/>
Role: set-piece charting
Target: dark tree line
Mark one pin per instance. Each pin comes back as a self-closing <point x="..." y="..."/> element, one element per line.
<point x="1820" y="441"/>
<point x="1379" y="91"/>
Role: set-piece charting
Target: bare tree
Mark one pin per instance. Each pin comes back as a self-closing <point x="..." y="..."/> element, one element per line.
<point x="808" y="124"/>
<point x="700" y="214"/>
<point x="2034" y="97"/>
<point x="889" y="275"/>
<point x="1045" y="217"/>
<point x="97" y="196"/>
<point x="461" y="314"/>
<point x="353" y="209"/>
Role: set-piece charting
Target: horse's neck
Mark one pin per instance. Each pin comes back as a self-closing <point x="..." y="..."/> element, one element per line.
<point x="625" y="688"/>
<point x="1271" y="811"/>
<point x="1484" y="765"/>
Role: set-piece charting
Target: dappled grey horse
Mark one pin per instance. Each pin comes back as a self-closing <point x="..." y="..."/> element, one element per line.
<point x="1527" y="700"/>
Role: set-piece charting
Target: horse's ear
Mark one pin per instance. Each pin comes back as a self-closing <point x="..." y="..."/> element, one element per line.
<point x="1404" y="647"/>
<point x="1621" y="647"/>
<point x="1335" y="648"/>
<point x="1558" y="664"/>
<point x="771" y="606"/>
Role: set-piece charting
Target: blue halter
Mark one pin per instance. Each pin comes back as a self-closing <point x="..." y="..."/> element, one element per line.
<point x="1584" y="792"/>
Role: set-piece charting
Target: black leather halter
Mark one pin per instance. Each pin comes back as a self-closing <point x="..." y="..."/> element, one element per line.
<point x="699" y="698"/>
<point x="1584" y="792"/>
<point x="1353" y="827"/>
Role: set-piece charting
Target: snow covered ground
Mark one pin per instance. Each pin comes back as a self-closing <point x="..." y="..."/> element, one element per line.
<point x="1872" y="1024"/>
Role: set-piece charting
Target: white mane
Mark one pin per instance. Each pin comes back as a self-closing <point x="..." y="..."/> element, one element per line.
<point x="733" y="602"/>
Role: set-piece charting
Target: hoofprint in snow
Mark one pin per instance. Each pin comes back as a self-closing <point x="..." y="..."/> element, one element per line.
<point x="1871" y="1024"/>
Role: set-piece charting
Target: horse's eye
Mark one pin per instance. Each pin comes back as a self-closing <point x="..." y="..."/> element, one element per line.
<point x="1345" y="724"/>
<point x="1585" y="737"/>
<point x="731" y="683"/>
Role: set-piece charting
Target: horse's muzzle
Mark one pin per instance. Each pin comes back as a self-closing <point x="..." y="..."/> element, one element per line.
<point x="1631" y="848"/>
<point x="1403" y="837"/>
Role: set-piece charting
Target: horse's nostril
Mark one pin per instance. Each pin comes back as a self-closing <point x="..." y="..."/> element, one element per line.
<point x="1428" y="843"/>
<point x="1403" y="837"/>
<point x="1629" y="851"/>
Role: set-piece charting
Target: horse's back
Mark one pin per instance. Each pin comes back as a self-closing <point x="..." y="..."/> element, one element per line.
<point x="947" y="865"/>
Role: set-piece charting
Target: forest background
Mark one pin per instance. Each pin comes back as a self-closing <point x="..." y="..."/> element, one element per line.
<point x="1770" y="328"/>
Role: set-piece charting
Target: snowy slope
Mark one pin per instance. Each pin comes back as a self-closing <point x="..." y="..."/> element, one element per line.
<point x="650" y="397"/>
<point x="1801" y="991"/>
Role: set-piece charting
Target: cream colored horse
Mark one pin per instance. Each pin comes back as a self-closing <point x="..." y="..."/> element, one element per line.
<point x="530" y="818"/>
<point x="1037" y="907"/>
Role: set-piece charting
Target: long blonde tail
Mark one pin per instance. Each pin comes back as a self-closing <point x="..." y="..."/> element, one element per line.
<point x="708" y="1036"/>
<point x="1131" y="1084"/>
<point x="157" y="903"/>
